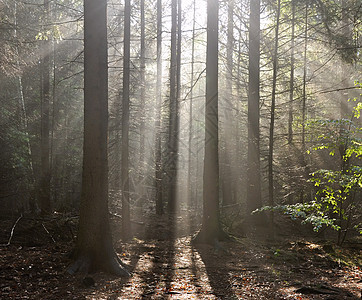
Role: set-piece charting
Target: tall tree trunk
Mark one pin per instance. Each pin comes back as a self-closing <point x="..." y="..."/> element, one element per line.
<point x="343" y="104"/>
<point x="291" y="87"/>
<point x="190" y="195"/>
<point x="45" y="119"/>
<point x="94" y="250"/>
<point x="227" y="168"/>
<point x="254" y="184"/>
<point x="211" y="230"/>
<point x="272" y="116"/>
<point x="173" y="111"/>
<point x="126" y="222"/>
<point x="53" y="118"/>
<point x="117" y="145"/>
<point x="304" y="99"/>
<point x="346" y="30"/>
<point x="229" y="51"/>
<point x="158" y="125"/>
<point x="24" y="116"/>
<point x="344" y="111"/>
<point x="142" y="102"/>
<point x="291" y="82"/>
<point x="178" y="52"/>
<point x="239" y="131"/>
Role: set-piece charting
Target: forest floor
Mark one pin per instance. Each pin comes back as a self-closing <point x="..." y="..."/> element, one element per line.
<point x="164" y="264"/>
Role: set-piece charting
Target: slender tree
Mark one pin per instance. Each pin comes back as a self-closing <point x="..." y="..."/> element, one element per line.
<point x="253" y="184"/>
<point x="126" y="222"/>
<point x="229" y="50"/>
<point x="94" y="249"/>
<point x="173" y="113"/>
<point x="304" y="99"/>
<point x="343" y="110"/>
<point x="239" y="87"/>
<point x="178" y="51"/>
<point x="291" y="81"/>
<point x="189" y="175"/>
<point x="226" y="168"/>
<point x="45" y="116"/>
<point x="142" y="95"/>
<point x="211" y="230"/>
<point x="24" y="116"/>
<point x="344" y="75"/>
<point x="272" y="114"/>
<point x="234" y="172"/>
<point x="158" y="125"/>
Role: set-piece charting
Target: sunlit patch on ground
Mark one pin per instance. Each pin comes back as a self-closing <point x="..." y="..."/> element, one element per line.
<point x="135" y="286"/>
<point x="179" y="270"/>
<point x="163" y="269"/>
<point x="173" y="270"/>
<point x="190" y="278"/>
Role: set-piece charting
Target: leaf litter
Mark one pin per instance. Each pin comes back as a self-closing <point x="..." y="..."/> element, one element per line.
<point x="168" y="266"/>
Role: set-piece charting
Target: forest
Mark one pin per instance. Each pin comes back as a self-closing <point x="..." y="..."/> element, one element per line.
<point x="180" y="149"/>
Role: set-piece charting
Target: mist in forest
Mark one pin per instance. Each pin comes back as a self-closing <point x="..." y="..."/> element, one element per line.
<point x="208" y="119"/>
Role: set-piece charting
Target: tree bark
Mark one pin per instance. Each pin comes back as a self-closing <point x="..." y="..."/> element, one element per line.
<point x="126" y="219"/>
<point x="254" y="184"/>
<point x="45" y="206"/>
<point x="94" y="250"/>
<point x="291" y="82"/>
<point x="24" y="116"/>
<point x="344" y="111"/>
<point x="227" y="169"/>
<point x="158" y="125"/>
<point x="272" y="116"/>
<point x="142" y="103"/>
<point x="190" y="195"/>
<point x="173" y="113"/>
<point x="211" y="229"/>
<point x="304" y="99"/>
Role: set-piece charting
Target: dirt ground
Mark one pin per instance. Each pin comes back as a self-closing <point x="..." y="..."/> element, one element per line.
<point x="164" y="264"/>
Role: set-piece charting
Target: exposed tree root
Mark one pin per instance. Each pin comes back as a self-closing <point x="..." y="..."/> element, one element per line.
<point x="12" y="232"/>
<point x="212" y="238"/>
<point x="113" y="265"/>
<point x="80" y="265"/>
<point x="117" y="268"/>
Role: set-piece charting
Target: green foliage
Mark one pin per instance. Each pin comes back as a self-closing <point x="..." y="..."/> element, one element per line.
<point x="55" y="34"/>
<point x="309" y="212"/>
<point x="337" y="192"/>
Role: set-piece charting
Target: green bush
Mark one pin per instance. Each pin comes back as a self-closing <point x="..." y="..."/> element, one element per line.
<point x="338" y="192"/>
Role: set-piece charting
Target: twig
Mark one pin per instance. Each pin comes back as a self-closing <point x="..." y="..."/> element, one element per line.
<point x="338" y="90"/>
<point x="132" y="221"/>
<point x="48" y="232"/>
<point x="12" y="232"/>
<point x="197" y="79"/>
